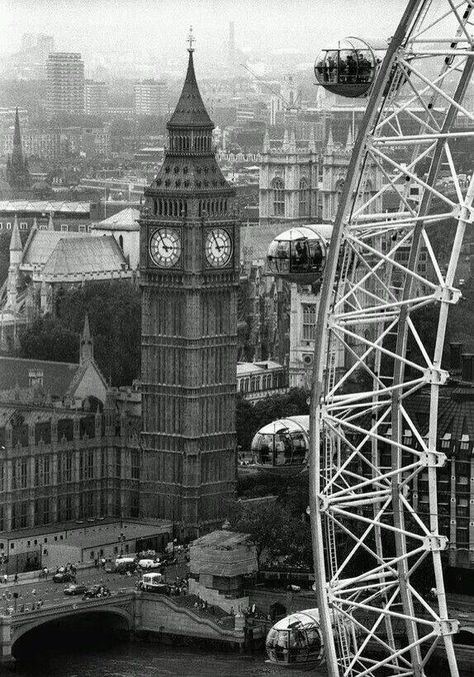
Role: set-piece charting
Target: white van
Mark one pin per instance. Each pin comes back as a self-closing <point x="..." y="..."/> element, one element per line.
<point x="153" y="583"/>
<point x="149" y="563"/>
<point x="124" y="564"/>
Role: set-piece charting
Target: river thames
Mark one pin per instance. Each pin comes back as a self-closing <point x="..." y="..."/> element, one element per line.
<point x="136" y="659"/>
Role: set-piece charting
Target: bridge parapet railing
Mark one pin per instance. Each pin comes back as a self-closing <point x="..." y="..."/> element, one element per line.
<point x="23" y="610"/>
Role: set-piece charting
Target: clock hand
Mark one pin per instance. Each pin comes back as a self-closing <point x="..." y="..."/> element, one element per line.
<point x="215" y="240"/>
<point x="165" y="247"/>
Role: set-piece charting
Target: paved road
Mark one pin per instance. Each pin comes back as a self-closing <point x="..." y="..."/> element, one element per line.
<point x="51" y="593"/>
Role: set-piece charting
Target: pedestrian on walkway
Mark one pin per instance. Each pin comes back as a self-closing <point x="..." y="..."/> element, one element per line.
<point x="15" y="580"/>
<point x="5" y="578"/>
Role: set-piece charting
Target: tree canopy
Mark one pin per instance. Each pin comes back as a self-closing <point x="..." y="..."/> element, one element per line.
<point x="274" y="530"/>
<point x="114" y="318"/>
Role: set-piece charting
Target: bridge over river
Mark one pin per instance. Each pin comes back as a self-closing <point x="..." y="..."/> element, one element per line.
<point x="131" y="611"/>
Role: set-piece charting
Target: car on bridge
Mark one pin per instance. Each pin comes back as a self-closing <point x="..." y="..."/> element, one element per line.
<point x="64" y="577"/>
<point x="149" y="563"/>
<point x="96" y="591"/>
<point x="75" y="589"/>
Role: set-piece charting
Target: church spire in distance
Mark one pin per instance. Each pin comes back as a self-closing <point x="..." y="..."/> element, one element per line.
<point x="17" y="133"/>
<point x="17" y="172"/>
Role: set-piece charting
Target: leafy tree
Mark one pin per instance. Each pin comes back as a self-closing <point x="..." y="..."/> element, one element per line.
<point x="115" y="321"/>
<point x="274" y="531"/>
<point x="114" y="317"/>
<point x="47" y="339"/>
<point x="244" y="422"/>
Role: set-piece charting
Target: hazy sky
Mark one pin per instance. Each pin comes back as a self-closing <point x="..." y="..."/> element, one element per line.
<point x="156" y="26"/>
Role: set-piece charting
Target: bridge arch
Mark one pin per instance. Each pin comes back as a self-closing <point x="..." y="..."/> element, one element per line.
<point x="108" y="617"/>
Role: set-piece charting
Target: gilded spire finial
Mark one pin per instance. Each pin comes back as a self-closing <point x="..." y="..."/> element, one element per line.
<point x="191" y="39"/>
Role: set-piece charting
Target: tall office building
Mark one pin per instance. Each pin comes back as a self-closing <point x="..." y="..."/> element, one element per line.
<point x="95" y="97"/>
<point x="65" y="75"/>
<point x="151" y="97"/>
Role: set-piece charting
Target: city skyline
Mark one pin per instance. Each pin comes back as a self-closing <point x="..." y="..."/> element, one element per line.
<point x="300" y="26"/>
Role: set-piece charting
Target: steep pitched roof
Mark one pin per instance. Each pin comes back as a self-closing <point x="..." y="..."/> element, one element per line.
<point x="87" y="255"/>
<point x="57" y="376"/>
<point x="41" y="243"/>
<point x="190" y="110"/>
<point x="126" y="219"/>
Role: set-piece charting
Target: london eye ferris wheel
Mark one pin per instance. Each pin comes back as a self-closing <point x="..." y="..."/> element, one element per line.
<point x="369" y="540"/>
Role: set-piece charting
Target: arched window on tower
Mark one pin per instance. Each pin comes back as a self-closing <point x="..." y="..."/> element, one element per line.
<point x="278" y="197"/>
<point x="121" y="242"/>
<point x="304" y="198"/>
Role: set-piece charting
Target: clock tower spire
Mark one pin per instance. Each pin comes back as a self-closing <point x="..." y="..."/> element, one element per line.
<point x="189" y="272"/>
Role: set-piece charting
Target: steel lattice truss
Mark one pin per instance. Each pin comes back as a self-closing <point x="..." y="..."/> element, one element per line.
<point x="382" y="268"/>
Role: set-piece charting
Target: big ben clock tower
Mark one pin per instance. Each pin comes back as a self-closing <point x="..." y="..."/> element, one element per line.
<point x="189" y="272"/>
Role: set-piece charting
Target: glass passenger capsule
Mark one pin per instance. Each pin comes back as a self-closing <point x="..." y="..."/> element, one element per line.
<point x="296" y="639"/>
<point x="299" y="254"/>
<point x="282" y="443"/>
<point x="349" y="70"/>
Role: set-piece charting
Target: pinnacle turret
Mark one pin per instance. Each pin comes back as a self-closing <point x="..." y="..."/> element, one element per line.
<point x="266" y="141"/>
<point x="349" y="142"/>
<point x="292" y="145"/>
<point x="15" y="242"/>
<point x="330" y="144"/>
<point x="87" y="344"/>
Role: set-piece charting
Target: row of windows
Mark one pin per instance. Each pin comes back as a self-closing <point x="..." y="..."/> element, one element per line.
<point x="164" y="316"/>
<point x="214" y="415"/>
<point x="216" y="467"/>
<point x="179" y="208"/>
<point x="169" y="207"/>
<point x="8" y="225"/>
<point x="165" y="365"/>
<point x="184" y="143"/>
<point x="278" y="187"/>
<point x="43" y="430"/>
<point x="216" y="318"/>
<point x="43" y="474"/>
<point x="262" y="382"/>
<point x="212" y="207"/>
<point x="163" y="414"/>
<point x="89" y="504"/>
<point x="215" y="366"/>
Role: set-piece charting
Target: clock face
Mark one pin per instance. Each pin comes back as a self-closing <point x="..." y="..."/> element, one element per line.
<point x="218" y="247"/>
<point x="165" y="247"/>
